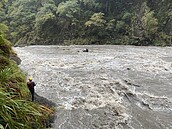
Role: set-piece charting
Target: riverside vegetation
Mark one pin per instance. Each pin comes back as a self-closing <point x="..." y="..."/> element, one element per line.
<point x="67" y="22"/>
<point x="128" y="22"/>
<point x="16" y="110"/>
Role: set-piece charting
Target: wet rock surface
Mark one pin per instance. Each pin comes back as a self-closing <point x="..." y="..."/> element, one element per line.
<point x="108" y="87"/>
<point x="15" y="58"/>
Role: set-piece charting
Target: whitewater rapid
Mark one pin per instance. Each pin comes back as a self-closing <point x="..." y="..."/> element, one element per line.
<point x="109" y="87"/>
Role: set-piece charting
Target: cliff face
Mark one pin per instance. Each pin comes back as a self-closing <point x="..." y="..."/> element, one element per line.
<point x="146" y="22"/>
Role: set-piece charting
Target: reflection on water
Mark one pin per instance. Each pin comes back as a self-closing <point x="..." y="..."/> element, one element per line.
<point x="109" y="87"/>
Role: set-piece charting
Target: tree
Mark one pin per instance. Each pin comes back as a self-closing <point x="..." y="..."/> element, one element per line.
<point x="97" y="25"/>
<point x="68" y="9"/>
<point x="120" y="26"/>
<point x="51" y="21"/>
<point x="149" y="23"/>
<point x="3" y="28"/>
<point x="97" y="19"/>
<point x="68" y="14"/>
<point x="46" y="15"/>
<point x="22" y="16"/>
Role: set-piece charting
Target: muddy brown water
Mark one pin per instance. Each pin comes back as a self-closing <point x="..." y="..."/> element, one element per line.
<point x="108" y="87"/>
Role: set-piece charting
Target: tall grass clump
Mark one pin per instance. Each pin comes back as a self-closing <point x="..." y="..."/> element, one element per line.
<point x="16" y="111"/>
<point x="19" y="114"/>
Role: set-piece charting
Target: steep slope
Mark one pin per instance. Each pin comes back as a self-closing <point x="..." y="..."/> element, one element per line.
<point x="16" y="109"/>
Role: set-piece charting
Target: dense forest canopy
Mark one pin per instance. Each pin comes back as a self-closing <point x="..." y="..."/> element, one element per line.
<point x="144" y="22"/>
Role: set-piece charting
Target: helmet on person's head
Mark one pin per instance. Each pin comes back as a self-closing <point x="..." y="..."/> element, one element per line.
<point x="30" y="78"/>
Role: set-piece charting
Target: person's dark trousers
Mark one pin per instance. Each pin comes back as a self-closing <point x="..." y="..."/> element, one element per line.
<point x="32" y="93"/>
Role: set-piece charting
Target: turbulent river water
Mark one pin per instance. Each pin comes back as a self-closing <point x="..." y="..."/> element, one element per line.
<point x="108" y="87"/>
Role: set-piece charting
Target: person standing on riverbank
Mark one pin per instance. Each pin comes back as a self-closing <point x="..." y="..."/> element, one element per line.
<point x="31" y="86"/>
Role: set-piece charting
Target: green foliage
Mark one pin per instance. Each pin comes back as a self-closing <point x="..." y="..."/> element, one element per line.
<point x="120" y="25"/>
<point x="97" y="26"/>
<point x="3" y="28"/>
<point x="90" y="3"/>
<point x="126" y="16"/>
<point x="42" y="20"/>
<point x="12" y="79"/>
<point x="97" y="19"/>
<point x="149" y="23"/>
<point x="5" y="46"/>
<point x="19" y="114"/>
<point x="15" y="111"/>
<point x="46" y="13"/>
<point x="68" y="8"/>
<point x="111" y="25"/>
<point x="4" y="62"/>
<point x="2" y="3"/>
<point x="55" y="21"/>
<point x="82" y="41"/>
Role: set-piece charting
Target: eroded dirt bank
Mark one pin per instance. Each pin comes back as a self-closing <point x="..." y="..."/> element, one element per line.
<point x="109" y="87"/>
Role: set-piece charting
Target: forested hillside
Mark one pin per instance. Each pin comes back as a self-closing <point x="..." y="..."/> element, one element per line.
<point x="143" y="22"/>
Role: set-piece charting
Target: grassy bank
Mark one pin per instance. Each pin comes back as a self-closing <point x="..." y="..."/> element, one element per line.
<point x="16" y="109"/>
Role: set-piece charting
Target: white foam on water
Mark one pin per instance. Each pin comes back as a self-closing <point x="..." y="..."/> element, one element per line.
<point x="93" y="80"/>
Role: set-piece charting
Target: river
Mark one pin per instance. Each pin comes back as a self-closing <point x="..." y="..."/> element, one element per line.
<point x="108" y="87"/>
